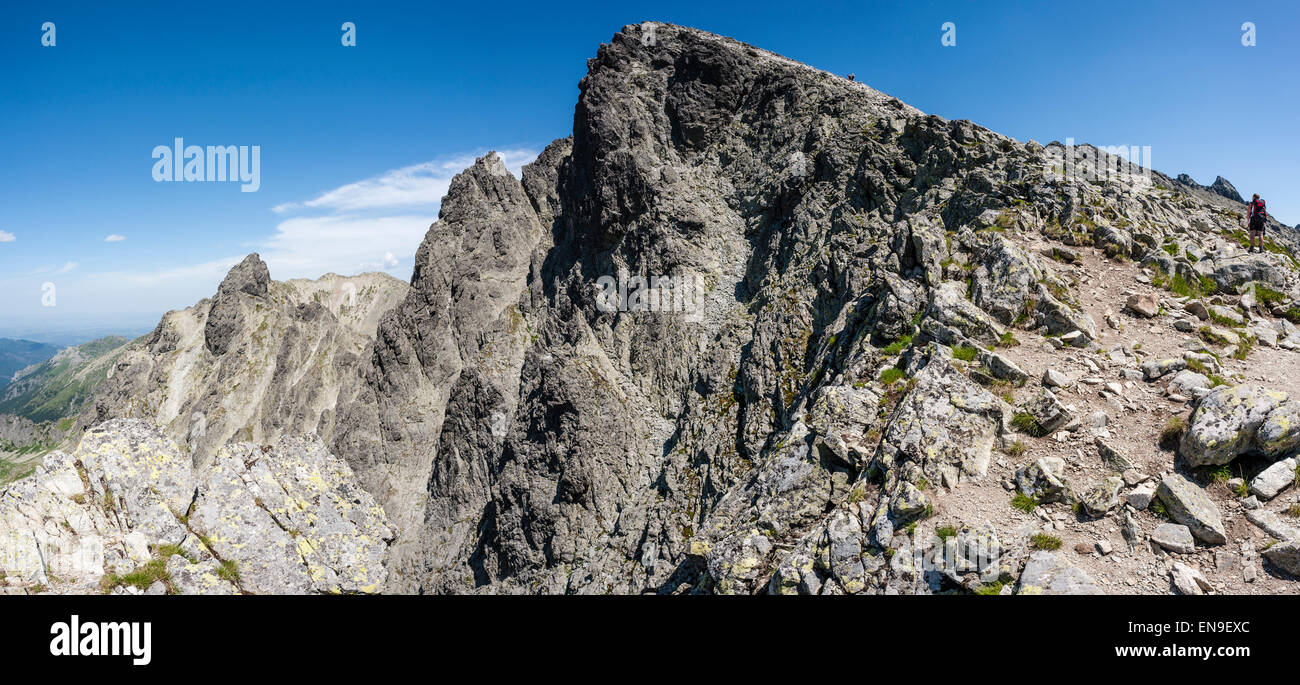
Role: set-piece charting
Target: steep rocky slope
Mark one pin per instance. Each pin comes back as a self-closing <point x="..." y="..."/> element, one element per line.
<point x="752" y="447"/>
<point x="260" y="360"/>
<point x="127" y="513"/>
<point x="897" y="354"/>
<point x="17" y="354"/>
<point x="60" y="386"/>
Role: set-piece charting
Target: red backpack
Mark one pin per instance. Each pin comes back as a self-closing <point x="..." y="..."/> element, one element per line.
<point x="1258" y="214"/>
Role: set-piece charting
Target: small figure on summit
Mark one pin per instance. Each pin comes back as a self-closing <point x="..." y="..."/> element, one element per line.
<point x="1256" y="218"/>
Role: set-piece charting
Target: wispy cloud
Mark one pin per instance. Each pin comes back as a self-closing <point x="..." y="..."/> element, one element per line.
<point x="371" y="225"/>
<point x="308" y="247"/>
<point x="6" y="237"/>
<point x="130" y="280"/>
<point x="375" y="224"/>
<point x="114" y="238"/>
<point x="412" y="186"/>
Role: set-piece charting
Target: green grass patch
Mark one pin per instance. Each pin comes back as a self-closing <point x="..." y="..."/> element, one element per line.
<point x="897" y="346"/>
<point x="141" y="578"/>
<point x="1219" y="474"/>
<point x="229" y="571"/>
<point x="1024" y="503"/>
<point x="965" y="353"/>
<point x="891" y="375"/>
<point x="1178" y="285"/>
<point x="1045" y="542"/>
<point x="1172" y="432"/>
<point x="1027" y="424"/>
<point x="1244" y="348"/>
<point x="1208" y="335"/>
<point x="1268" y="296"/>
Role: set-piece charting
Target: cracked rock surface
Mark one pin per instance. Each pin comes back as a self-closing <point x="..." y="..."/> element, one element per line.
<point x="126" y="510"/>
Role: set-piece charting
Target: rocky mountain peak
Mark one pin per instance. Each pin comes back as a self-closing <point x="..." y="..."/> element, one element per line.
<point x="1221" y="187"/>
<point x="250" y="276"/>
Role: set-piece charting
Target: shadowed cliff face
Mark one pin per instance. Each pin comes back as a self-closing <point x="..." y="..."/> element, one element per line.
<point x="526" y="435"/>
<point x="525" y="440"/>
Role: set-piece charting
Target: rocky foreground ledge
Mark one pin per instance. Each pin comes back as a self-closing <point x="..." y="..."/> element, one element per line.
<point x="126" y="513"/>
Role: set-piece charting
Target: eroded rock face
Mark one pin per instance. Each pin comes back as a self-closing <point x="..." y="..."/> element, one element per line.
<point x="127" y="507"/>
<point x="944" y="429"/>
<point x="249" y="277"/>
<point x="263" y="359"/>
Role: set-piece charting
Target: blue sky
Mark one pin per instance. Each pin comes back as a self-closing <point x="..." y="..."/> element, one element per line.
<point x="358" y="143"/>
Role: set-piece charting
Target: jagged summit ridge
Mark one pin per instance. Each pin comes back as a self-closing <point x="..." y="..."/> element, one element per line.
<point x="1221" y="186"/>
<point x="260" y="360"/>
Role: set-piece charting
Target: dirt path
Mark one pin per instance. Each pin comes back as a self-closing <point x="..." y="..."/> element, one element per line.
<point x="1134" y="421"/>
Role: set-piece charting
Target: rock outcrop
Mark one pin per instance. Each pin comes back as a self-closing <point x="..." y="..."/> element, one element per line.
<point x="262" y="360"/>
<point x="1220" y="187"/>
<point x="1233" y="420"/>
<point x="127" y="512"/>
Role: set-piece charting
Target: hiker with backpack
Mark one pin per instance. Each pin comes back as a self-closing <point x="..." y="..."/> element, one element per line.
<point x="1256" y="218"/>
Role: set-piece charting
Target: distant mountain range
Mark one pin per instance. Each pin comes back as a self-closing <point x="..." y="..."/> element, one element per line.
<point x="61" y="338"/>
<point x="57" y="387"/>
<point x="19" y="354"/>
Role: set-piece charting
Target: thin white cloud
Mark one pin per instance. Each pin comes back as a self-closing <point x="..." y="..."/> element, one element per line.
<point x="7" y="237"/>
<point x="127" y="280"/>
<point x="412" y="186"/>
<point x="308" y="247"/>
<point x="114" y="238"/>
<point x="375" y="224"/>
<point x="371" y="225"/>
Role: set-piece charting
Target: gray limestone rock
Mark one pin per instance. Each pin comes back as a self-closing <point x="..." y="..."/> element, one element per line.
<point x="1188" y="504"/>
